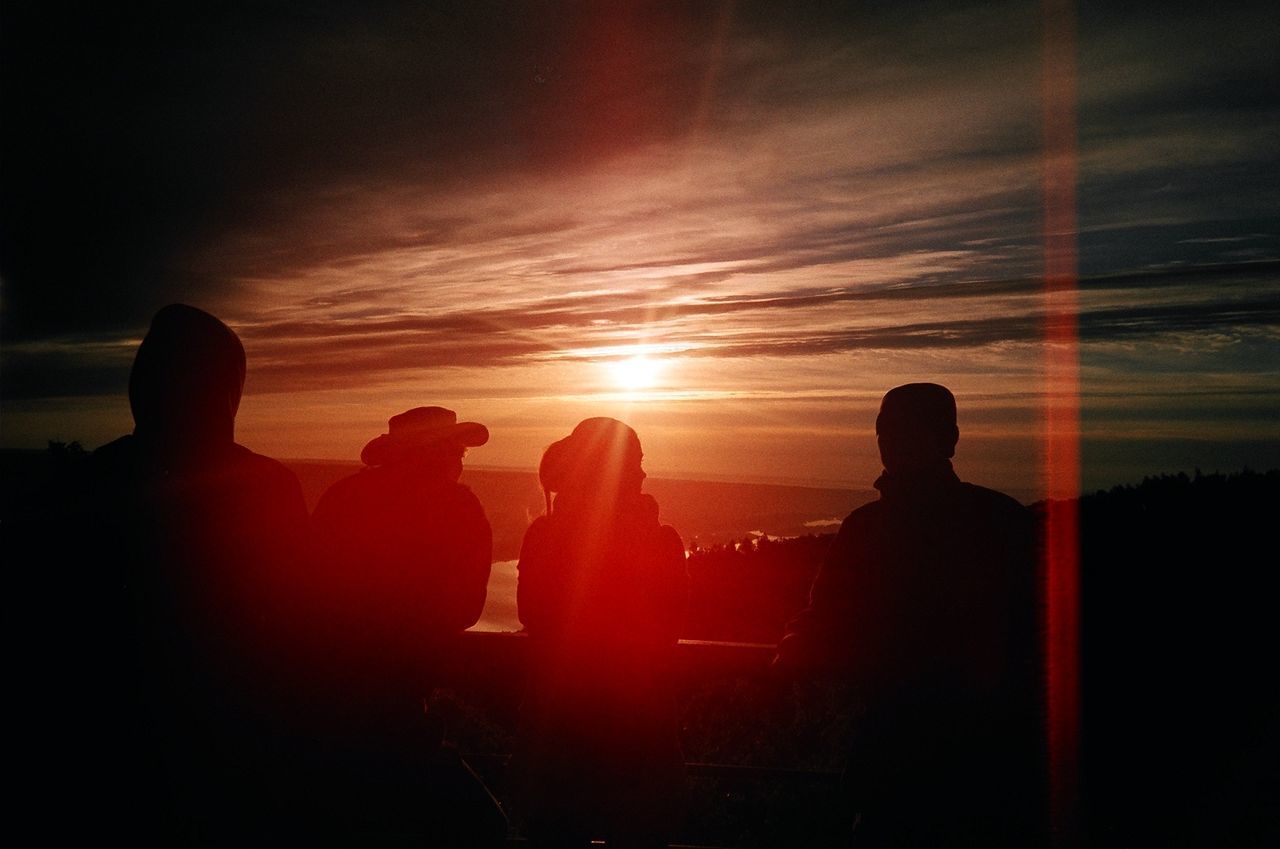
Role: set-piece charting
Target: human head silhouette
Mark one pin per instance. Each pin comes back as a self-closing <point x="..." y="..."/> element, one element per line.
<point x="186" y="381"/>
<point x="916" y="428"/>
<point x="601" y="457"/>
<point x="425" y="440"/>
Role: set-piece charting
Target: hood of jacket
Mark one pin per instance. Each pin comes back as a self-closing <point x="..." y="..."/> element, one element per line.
<point x="186" y="381"/>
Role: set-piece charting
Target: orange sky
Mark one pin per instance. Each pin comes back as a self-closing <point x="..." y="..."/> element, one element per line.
<point x="789" y="216"/>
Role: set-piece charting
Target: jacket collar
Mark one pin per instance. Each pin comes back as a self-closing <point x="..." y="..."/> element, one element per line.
<point x="919" y="484"/>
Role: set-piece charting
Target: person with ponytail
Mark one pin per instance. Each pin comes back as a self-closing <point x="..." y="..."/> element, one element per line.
<point x="601" y="593"/>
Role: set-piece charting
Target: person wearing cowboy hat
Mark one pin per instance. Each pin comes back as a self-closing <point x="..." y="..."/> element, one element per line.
<point x="410" y="537"/>
<point x="404" y="556"/>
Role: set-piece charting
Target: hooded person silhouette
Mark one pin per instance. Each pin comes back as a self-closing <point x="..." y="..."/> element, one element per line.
<point x="927" y="604"/>
<point x="602" y="595"/>
<point x="188" y="548"/>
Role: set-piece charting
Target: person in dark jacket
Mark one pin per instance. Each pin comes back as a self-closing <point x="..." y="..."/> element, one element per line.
<point x="405" y="553"/>
<point x="601" y="592"/>
<point x="927" y="605"/>
<point x="412" y="542"/>
<point x="185" y="551"/>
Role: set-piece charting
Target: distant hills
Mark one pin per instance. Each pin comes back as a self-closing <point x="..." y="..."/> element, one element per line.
<point x="703" y="512"/>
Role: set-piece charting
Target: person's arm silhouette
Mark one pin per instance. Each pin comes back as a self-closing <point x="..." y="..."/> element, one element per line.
<point x="465" y="567"/>
<point x="534" y="603"/>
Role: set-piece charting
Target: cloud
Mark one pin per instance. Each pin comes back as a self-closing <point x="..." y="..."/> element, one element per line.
<point x="297" y="355"/>
<point x="485" y="199"/>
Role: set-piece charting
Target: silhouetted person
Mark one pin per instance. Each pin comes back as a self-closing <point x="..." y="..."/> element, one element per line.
<point x="927" y="604"/>
<point x="183" y="551"/>
<point x="406" y="551"/>
<point x="601" y="593"/>
<point x="411" y="545"/>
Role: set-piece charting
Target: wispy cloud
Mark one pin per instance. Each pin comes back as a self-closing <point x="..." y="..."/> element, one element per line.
<point x="790" y="207"/>
<point x="295" y="354"/>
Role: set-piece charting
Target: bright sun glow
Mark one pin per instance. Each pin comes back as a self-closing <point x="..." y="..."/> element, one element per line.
<point x="635" y="373"/>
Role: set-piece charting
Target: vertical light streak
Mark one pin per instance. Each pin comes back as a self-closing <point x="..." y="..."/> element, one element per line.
<point x="1061" y="422"/>
<point x="715" y="64"/>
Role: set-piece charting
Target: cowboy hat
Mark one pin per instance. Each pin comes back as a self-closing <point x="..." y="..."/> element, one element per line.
<point x="422" y="427"/>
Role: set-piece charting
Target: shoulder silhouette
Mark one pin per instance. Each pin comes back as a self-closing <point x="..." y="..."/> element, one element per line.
<point x="927" y="604"/>
<point x="189" y="548"/>
<point x="601" y="593"/>
<point x="410" y="546"/>
<point x="404" y="560"/>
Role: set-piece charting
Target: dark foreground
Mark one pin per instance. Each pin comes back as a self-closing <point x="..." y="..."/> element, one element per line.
<point x="1181" y="722"/>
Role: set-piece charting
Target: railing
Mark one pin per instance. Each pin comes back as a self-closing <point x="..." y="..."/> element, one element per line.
<point x="490" y="666"/>
<point x="482" y="659"/>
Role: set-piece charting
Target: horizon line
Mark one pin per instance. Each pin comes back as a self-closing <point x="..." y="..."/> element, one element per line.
<point x="799" y="483"/>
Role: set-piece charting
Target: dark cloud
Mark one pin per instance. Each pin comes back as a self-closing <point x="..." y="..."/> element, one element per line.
<point x="149" y="128"/>
<point x="1095" y="326"/>
<point x="1213" y="283"/>
<point x="294" y="355"/>
<point x="168" y="154"/>
<point x="331" y="364"/>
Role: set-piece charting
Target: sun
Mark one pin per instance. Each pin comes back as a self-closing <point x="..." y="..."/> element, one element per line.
<point x="635" y="373"/>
